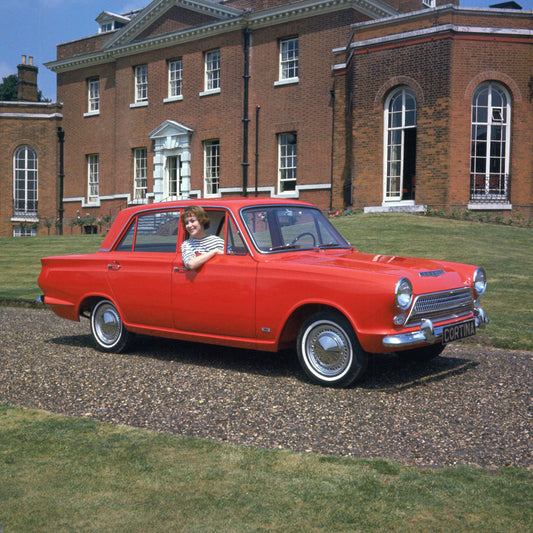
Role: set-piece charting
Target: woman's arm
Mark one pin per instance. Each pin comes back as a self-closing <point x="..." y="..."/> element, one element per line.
<point x="199" y="260"/>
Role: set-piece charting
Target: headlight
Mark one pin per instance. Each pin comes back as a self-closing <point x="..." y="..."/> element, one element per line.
<point x="480" y="281"/>
<point x="403" y="294"/>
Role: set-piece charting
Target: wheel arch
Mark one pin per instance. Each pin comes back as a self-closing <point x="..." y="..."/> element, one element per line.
<point x="297" y="317"/>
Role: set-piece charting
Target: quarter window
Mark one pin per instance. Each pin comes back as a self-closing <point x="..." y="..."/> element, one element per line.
<point x="140" y="171"/>
<point x="25" y="183"/>
<point x="287" y="161"/>
<point x="212" y="167"/>
<point x="141" y="84"/>
<point x="490" y="145"/>
<point x="93" y="178"/>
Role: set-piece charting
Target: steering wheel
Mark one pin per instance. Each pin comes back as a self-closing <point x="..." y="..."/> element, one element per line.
<point x="302" y="235"/>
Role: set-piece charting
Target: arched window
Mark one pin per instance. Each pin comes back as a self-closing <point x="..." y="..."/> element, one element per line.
<point x="400" y="149"/>
<point x="489" y="153"/>
<point x="25" y="181"/>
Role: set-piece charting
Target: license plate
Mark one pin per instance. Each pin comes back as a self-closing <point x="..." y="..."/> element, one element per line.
<point x="456" y="332"/>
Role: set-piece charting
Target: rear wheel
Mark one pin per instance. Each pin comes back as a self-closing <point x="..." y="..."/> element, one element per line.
<point x="107" y="328"/>
<point x="328" y="350"/>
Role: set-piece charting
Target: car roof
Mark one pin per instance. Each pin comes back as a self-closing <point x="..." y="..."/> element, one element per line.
<point x="235" y="204"/>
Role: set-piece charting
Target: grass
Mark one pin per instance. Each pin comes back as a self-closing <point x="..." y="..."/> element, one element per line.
<point x="65" y="474"/>
<point x="504" y="251"/>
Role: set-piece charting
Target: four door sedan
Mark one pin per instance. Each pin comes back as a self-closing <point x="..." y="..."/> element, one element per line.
<point x="285" y="277"/>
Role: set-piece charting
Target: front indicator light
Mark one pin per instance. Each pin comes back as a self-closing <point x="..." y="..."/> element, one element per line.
<point x="399" y="320"/>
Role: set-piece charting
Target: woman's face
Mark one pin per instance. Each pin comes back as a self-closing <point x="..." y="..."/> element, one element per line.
<point x="193" y="227"/>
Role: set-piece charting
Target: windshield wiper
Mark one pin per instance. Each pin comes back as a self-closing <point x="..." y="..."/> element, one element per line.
<point x="284" y="247"/>
<point x="329" y="245"/>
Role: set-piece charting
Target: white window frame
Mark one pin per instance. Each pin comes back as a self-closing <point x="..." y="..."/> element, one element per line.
<point x="25" y="181"/>
<point x="287" y="163"/>
<point x="212" y="168"/>
<point x="289" y="62"/>
<point x="140" y="86"/>
<point x="493" y="120"/>
<point x="394" y="143"/>
<point x="93" y="97"/>
<point x="429" y="3"/>
<point x="140" y="174"/>
<point x="175" y="80"/>
<point x="212" y="70"/>
<point x="93" y="178"/>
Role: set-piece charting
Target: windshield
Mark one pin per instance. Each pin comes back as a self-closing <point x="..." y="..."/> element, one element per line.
<point x="290" y="228"/>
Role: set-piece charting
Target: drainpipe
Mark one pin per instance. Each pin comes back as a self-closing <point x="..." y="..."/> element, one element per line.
<point x="332" y="154"/>
<point x="61" y="176"/>
<point x="245" y="119"/>
<point x="257" y="108"/>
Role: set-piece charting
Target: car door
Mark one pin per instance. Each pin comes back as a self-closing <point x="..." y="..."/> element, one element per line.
<point x="140" y="269"/>
<point x="219" y="298"/>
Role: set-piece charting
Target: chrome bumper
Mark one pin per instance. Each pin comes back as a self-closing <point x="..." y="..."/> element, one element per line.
<point x="428" y="333"/>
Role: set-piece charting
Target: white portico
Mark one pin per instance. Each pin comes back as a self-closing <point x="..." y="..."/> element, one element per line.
<point x="172" y="161"/>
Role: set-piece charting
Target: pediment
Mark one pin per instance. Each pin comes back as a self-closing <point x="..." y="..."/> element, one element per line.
<point x="170" y="128"/>
<point x="166" y="16"/>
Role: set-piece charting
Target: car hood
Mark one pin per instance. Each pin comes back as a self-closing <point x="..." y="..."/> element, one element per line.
<point x="422" y="272"/>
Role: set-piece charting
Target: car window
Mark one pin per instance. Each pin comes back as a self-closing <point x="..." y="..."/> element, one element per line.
<point x="275" y="229"/>
<point x="235" y="244"/>
<point x="152" y="232"/>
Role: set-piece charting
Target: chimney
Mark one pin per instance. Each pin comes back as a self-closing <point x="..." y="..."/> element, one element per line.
<point x="27" y="81"/>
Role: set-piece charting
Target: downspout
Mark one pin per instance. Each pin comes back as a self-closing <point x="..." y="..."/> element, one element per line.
<point x="257" y="108"/>
<point x="245" y="118"/>
<point x="61" y="176"/>
<point x="332" y="155"/>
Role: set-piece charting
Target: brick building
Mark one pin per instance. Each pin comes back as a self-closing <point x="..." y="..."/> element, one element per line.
<point x="434" y="109"/>
<point x="29" y="159"/>
<point x="197" y="98"/>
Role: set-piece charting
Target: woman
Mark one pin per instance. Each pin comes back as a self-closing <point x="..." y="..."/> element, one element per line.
<point x="200" y="247"/>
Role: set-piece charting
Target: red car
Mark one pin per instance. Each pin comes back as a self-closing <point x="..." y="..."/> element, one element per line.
<point x="284" y="277"/>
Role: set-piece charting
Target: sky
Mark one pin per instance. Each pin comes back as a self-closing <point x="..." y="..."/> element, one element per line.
<point x="35" y="27"/>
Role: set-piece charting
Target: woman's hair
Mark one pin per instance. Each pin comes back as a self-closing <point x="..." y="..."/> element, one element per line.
<point x="195" y="211"/>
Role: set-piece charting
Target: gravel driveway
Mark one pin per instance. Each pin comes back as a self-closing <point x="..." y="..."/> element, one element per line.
<point x="473" y="405"/>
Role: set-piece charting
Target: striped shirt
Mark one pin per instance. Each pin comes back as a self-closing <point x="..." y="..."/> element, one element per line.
<point x="193" y="247"/>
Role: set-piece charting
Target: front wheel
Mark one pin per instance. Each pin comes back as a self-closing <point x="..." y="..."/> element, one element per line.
<point x="107" y="328"/>
<point x="328" y="350"/>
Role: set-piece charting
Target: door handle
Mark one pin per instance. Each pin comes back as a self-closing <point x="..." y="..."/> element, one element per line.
<point x="180" y="269"/>
<point x="112" y="266"/>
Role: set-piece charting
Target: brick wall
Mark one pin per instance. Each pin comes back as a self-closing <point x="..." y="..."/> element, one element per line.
<point x="39" y="132"/>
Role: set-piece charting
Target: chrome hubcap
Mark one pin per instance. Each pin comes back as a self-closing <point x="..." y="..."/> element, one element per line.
<point x="328" y="350"/>
<point x="107" y="324"/>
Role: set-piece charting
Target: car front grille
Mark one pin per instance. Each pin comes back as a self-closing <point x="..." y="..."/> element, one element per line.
<point x="441" y="306"/>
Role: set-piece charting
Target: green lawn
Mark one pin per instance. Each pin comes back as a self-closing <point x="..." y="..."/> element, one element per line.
<point x="60" y="474"/>
<point x="504" y="251"/>
<point x="66" y="474"/>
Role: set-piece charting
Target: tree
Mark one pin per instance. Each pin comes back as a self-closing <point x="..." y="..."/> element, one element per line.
<point x="9" y="90"/>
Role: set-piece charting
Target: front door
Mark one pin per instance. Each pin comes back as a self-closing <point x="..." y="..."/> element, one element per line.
<point x="219" y="298"/>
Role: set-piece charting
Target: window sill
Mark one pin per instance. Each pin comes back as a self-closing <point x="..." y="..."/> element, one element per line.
<point x="209" y="92"/>
<point x="289" y="81"/>
<point x="92" y="114"/>
<point x="490" y="206"/>
<point x="139" y="104"/>
<point x="172" y="99"/>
